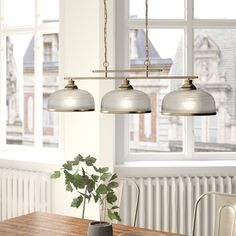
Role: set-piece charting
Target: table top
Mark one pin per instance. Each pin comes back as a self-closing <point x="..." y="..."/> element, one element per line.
<point x="46" y="224"/>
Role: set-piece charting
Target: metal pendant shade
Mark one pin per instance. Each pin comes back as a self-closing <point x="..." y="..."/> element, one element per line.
<point x="125" y="100"/>
<point x="71" y="99"/>
<point x="188" y="101"/>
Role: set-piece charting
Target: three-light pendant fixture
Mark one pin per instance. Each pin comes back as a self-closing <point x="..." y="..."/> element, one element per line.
<point x="187" y="101"/>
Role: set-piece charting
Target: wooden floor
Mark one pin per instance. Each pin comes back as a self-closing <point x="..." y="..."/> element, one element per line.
<point x="44" y="224"/>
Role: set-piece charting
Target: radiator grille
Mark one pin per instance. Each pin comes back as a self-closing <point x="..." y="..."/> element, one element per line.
<point x="22" y="192"/>
<point x="166" y="203"/>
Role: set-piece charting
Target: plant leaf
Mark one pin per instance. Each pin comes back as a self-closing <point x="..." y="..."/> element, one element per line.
<point x="112" y="185"/>
<point x="90" y="160"/>
<point x="69" y="187"/>
<point x="68" y="177"/>
<point x="68" y="165"/>
<point x="90" y="185"/>
<point x="95" y="178"/>
<point x="77" y="202"/>
<point x="96" y="197"/>
<point x="56" y="174"/>
<point x="83" y="171"/>
<point x="95" y="168"/>
<point x="111" y="197"/>
<point x="102" y="189"/>
<point x="113" y="215"/>
<point x="79" y="158"/>
<point x="79" y="181"/>
<point x="105" y="176"/>
<point x="87" y="196"/>
<point x="103" y="170"/>
<point x="114" y="176"/>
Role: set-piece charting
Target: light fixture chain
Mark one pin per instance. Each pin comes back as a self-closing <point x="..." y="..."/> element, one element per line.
<point x="147" y="61"/>
<point x="105" y="63"/>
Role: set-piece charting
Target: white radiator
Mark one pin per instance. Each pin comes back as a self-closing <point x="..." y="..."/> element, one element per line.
<point x="22" y="192"/>
<point x="166" y="203"/>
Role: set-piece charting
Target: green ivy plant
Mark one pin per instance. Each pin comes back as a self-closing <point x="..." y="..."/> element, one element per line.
<point x="90" y="182"/>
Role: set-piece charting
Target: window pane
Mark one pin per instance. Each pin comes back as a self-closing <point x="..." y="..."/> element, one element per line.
<point x="157" y="9"/>
<point x="214" y="9"/>
<point x="50" y="10"/>
<point x="154" y="132"/>
<point x="20" y="87"/>
<point x="214" y="63"/>
<point x="18" y="13"/>
<point x="50" y="85"/>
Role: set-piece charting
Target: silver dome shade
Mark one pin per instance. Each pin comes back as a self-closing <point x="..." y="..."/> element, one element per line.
<point x="71" y="99"/>
<point x="125" y="100"/>
<point x="188" y="101"/>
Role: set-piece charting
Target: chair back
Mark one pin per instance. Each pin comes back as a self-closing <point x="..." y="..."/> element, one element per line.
<point x="224" y="213"/>
<point x="120" y="192"/>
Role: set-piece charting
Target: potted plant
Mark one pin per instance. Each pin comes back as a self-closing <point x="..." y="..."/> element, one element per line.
<point x="90" y="182"/>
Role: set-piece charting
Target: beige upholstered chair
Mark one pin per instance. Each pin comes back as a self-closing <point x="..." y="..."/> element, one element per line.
<point x="133" y="208"/>
<point x="224" y="210"/>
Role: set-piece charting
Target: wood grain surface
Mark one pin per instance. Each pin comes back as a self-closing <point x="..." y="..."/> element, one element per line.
<point x="45" y="224"/>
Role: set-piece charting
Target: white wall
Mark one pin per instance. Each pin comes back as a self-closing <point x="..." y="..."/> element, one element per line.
<point x="81" y="40"/>
<point x="81" y="50"/>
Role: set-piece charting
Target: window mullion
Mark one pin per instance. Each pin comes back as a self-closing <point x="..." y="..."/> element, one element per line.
<point x="3" y="91"/>
<point x="3" y="110"/>
<point x="212" y="24"/>
<point x="122" y="53"/>
<point x="38" y="79"/>
<point x="38" y="91"/>
<point x="188" y="144"/>
<point x="154" y="23"/>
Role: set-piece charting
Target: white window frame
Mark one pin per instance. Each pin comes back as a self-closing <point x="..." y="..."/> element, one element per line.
<point x="36" y="153"/>
<point x="123" y="25"/>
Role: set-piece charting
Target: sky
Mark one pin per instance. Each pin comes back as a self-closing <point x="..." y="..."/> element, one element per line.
<point x="165" y="41"/>
<point x="175" y="8"/>
<point x="14" y="15"/>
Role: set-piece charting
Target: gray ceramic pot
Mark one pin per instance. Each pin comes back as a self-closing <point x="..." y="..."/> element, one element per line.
<point x="100" y="228"/>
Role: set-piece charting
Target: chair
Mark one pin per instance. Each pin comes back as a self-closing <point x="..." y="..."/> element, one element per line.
<point x="119" y="191"/>
<point x="224" y="210"/>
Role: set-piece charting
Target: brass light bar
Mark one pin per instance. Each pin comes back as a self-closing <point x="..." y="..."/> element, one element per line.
<point x="129" y="70"/>
<point x="133" y="77"/>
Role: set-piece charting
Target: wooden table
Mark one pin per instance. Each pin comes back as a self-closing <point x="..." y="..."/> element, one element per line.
<point x="45" y="224"/>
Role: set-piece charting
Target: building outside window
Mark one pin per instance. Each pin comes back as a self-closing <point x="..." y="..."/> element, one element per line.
<point x="183" y="39"/>
<point x="29" y="72"/>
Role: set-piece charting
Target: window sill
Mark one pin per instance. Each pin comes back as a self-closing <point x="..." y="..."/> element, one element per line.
<point x="176" y="168"/>
<point x="31" y="158"/>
